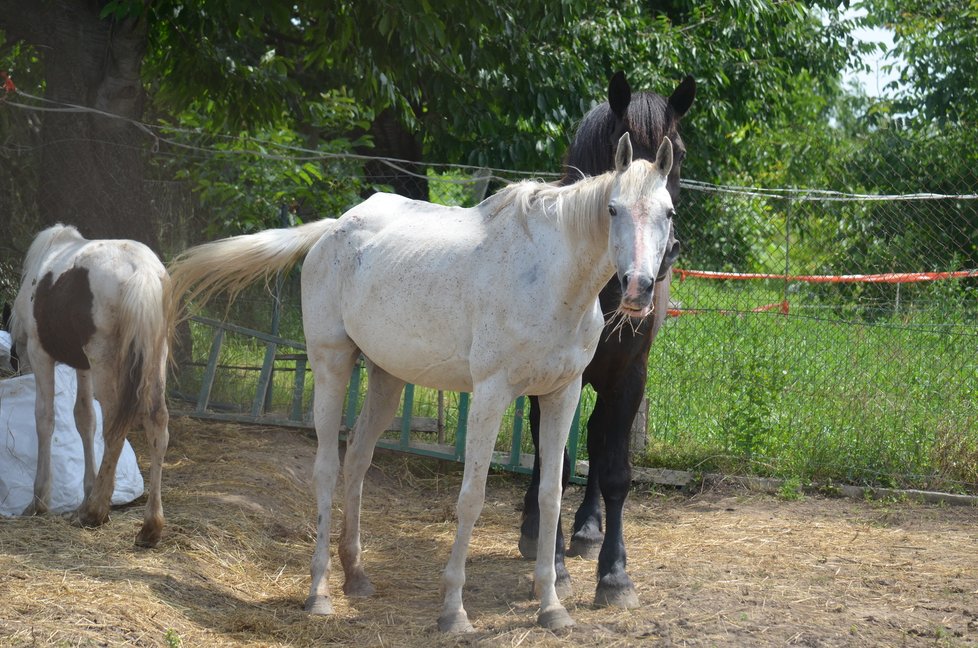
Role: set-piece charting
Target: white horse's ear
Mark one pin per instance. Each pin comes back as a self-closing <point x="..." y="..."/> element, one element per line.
<point x="663" y="158"/>
<point x="623" y="156"/>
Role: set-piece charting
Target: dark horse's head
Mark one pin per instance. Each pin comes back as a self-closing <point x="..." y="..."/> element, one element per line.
<point x="647" y="117"/>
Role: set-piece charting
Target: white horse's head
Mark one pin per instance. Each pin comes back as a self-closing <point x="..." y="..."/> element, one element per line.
<point x="641" y="243"/>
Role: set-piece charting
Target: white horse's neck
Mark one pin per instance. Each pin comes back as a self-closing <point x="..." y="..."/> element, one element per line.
<point x="575" y="217"/>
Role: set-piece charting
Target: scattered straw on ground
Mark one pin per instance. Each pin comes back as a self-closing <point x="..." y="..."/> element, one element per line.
<point x="724" y="567"/>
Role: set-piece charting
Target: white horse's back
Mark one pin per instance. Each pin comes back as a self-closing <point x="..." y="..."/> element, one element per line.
<point x="457" y="286"/>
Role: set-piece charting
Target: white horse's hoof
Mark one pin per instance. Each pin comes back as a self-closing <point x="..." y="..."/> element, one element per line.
<point x="455" y="623"/>
<point x="319" y="605"/>
<point x="555" y="618"/>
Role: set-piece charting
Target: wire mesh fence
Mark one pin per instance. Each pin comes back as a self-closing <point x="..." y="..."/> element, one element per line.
<point x="823" y="331"/>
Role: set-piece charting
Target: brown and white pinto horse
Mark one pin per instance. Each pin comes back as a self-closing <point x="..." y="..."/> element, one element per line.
<point x="99" y="307"/>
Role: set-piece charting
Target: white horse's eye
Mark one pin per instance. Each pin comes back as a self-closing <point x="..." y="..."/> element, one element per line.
<point x="612" y="210"/>
<point x="672" y="212"/>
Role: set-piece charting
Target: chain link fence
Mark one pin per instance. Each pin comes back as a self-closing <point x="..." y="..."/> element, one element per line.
<point x="823" y="330"/>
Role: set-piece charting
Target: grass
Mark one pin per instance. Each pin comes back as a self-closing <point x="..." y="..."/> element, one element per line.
<point x="819" y="394"/>
<point x="885" y="395"/>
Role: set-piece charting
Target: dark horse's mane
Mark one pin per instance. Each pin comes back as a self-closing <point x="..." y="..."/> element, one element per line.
<point x="647" y="116"/>
<point x="644" y="121"/>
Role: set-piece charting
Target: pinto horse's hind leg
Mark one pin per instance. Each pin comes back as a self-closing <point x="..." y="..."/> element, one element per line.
<point x="378" y="410"/>
<point x="156" y="428"/>
<point x="117" y="415"/>
<point x="43" y="366"/>
<point x="530" y="526"/>
<point x="85" y="423"/>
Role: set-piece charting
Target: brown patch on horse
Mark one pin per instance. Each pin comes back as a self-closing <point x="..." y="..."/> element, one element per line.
<point x="63" y="312"/>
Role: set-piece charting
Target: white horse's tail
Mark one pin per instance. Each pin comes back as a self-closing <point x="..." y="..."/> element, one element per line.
<point x="234" y="263"/>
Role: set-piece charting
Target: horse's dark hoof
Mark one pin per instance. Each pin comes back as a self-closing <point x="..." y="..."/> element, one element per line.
<point x="563" y="585"/>
<point x="359" y="587"/>
<point x="586" y="544"/>
<point x="149" y="536"/>
<point x="455" y="623"/>
<point x="319" y="605"/>
<point x="528" y="547"/>
<point x="616" y="591"/>
<point x="88" y="519"/>
<point x="36" y="507"/>
<point x="555" y="618"/>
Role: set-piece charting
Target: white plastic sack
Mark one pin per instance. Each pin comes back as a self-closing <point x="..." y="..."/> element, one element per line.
<point x="18" y="446"/>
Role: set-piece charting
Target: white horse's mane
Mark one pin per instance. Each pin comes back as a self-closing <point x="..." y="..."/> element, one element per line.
<point x="575" y="204"/>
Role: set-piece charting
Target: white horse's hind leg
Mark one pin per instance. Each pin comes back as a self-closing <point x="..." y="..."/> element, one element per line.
<point x="85" y="423"/>
<point x="43" y="367"/>
<point x="556" y="416"/>
<point x="331" y="370"/>
<point x="488" y="404"/>
<point x="156" y="427"/>
<point x="383" y="396"/>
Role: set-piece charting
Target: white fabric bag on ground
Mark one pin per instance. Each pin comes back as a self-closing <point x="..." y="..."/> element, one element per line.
<point x="18" y="446"/>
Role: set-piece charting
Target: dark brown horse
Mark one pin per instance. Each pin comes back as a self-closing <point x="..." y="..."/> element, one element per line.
<point x="619" y="368"/>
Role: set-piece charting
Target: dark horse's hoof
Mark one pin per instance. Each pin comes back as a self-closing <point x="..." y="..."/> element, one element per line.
<point x="528" y="547"/>
<point x="616" y="591"/>
<point x="586" y="543"/>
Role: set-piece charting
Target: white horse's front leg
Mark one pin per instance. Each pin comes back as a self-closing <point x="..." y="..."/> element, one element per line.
<point x="488" y="404"/>
<point x="383" y="395"/>
<point x="331" y="372"/>
<point x="43" y="366"/>
<point x="556" y="416"/>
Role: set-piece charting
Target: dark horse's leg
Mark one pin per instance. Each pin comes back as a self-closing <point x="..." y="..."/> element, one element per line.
<point x="618" y="375"/>
<point x="530" y="527"/>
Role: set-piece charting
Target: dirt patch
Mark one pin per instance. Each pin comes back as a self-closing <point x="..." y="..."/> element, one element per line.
<point x="723" y="567"/>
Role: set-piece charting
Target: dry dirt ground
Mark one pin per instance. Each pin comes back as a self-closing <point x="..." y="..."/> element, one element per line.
<point x="724" y="567"/>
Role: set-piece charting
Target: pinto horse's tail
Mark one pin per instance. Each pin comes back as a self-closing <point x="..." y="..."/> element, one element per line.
<point x="143" y="343"/>
<point x="234" y="263"/>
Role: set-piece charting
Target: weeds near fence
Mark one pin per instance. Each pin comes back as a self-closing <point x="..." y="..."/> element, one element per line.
<point x="888" y="400"/>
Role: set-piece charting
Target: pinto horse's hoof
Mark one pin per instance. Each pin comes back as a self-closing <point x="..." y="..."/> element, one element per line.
<point x="455" y="623"/>
<point x="88" y="519"/>
<point x="149" y="536"/>
<point x="35" y="508"/>
<point x="319" y="605"/>
<point x="555" y="618"/>
<point x="528" y="547"/>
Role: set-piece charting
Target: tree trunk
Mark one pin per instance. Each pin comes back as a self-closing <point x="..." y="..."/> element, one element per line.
<point x="391" y="139"/>
<point x="92" y="165"/>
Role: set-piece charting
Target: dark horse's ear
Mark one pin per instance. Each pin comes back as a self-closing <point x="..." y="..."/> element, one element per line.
<point x="682" y="97"/>
<point x="619" y="94"/>
<point x="623" y="154"/>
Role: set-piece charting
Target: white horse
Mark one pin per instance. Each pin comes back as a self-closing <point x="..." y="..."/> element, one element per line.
<point x="499" y="300"/>
<point x="99" y="307"/>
